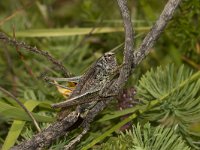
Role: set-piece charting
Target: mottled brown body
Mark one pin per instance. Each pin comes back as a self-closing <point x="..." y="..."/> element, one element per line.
<point x="90" y="84"/>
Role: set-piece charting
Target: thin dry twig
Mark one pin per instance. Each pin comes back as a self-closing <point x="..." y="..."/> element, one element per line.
<point x="128" y="49"/>
<point x="190" y="62"/>
<point x="155" y="31"/>
<point x="126" y="68"/>
<point x="23" y="107"/>
<point x="20" y="44"/>
<point x="48" y="135"/>
<point x="86" y="123"/>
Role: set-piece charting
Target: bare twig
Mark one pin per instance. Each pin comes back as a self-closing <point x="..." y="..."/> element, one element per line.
<point x="155" y="31"/>
<point x="124" y="72"/>
<point x="153" y="35"/>
<point x="25" y="109"/>
<point x="128" y="49"/>
<point x="126" y="68"/>
<point x="128" y="52"/>
<point x="13" y="42"/>
<point x="47" y="136"/>
<point x="76" y="140"/>
<point x="190" y="62"/>
<point x="86" y="123"/>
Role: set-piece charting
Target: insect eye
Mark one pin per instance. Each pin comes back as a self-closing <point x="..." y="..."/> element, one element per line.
<point x="109" y="57"/>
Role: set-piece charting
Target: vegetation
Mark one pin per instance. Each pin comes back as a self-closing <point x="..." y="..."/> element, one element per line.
<point x="167" y="82"/>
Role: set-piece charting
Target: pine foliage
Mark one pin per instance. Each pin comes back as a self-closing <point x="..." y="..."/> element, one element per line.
<point x="177" y="91"/>
<point x="172" y="105"/>
<point x="146" y="138"/>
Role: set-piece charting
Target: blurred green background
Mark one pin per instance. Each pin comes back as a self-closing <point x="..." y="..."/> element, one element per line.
<point x="78" y="32"/>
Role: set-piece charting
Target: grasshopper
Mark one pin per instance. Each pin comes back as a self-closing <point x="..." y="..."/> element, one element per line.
<point x="89" y="86"/>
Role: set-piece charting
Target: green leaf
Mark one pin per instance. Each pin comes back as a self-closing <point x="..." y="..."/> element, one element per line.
<point x="107" y="133"/>
<point x="17" y="127"/>
<point x="147" y="138"/>
<point x="153" y="94"/>
<point x="16" y="113"/>
<point x="119" y="113"/>
<point x="70" y="31"/>
<point x="175" y="90"/>
<point x="179" y="102"/>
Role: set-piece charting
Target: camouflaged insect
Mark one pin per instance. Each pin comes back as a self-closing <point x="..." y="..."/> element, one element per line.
<point x="90" y="85"/>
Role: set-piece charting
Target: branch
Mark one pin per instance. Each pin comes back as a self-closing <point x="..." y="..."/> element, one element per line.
<point x="125" y="71"/>
<point x="47" y="136"/>
<point x="13" y="42"/>
<point x="86" y="122"/>
<point x="155" y="31"/>
<point x="60" y="128"/>
<point x="113" y="88"/>
<point x="144" y="49"/>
